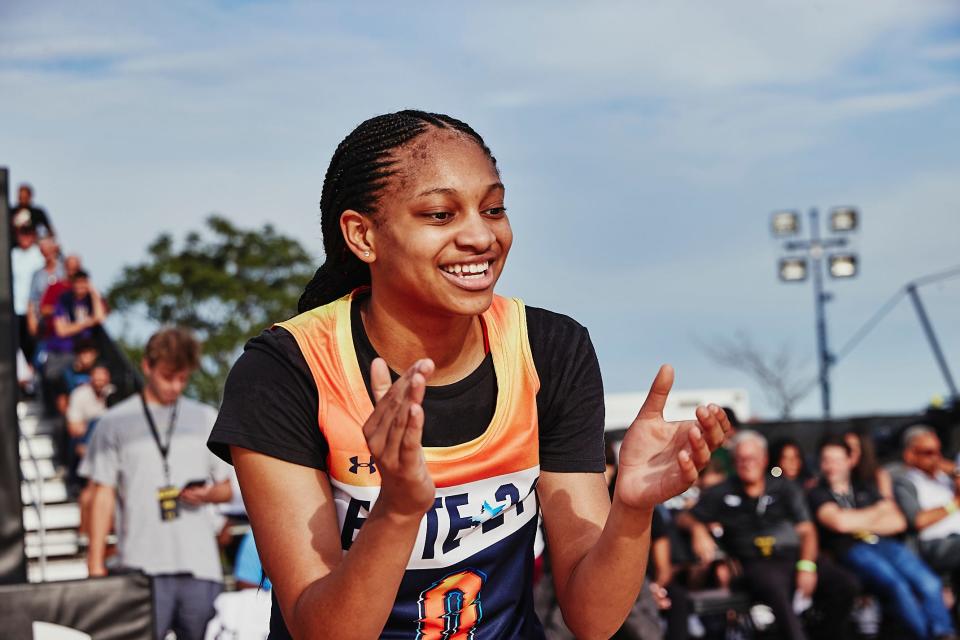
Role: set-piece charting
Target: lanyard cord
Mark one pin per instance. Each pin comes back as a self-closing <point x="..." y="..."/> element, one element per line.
<point x="845" y="500"/>
<point x="164" y="449"/>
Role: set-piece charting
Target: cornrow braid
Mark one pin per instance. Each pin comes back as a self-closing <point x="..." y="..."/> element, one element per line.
<point x="359" y="170"/>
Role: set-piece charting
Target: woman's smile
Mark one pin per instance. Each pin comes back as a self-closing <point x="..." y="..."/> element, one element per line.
<point x="472" y="276"/>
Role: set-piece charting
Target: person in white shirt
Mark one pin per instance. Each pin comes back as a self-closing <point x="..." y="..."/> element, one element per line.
<point x="929" y="496"/>
<point x="25" y="259"/>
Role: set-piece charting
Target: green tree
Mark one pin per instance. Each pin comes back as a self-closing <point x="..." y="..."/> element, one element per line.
<point x="226" y="285"/>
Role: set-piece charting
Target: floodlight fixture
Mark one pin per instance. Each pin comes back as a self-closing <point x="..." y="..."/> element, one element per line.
<point x="785" y="223"/>
<point x="793" y="269"/>
<point x="844" y="219"/>
<point x="843" y="265"/>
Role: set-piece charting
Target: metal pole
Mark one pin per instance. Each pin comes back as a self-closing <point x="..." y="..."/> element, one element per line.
<point x="13" y="564"/>
<point x="932" y="338"/>
<point x="819" y="299"/>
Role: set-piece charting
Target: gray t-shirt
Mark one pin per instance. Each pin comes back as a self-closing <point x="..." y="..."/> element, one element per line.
<point x="123" y="454"/>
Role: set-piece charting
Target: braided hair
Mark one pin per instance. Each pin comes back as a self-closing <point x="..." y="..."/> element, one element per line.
<point x="358" y="172"/>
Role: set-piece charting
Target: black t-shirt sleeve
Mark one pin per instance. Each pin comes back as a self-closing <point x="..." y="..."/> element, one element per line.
<point x="570" y="401"/>
<point x="270" y="404"/>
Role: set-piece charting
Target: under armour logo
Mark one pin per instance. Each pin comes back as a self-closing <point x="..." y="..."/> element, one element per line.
<point x="355" y="465"/>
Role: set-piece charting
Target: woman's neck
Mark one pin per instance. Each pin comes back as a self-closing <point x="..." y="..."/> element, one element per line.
<point x="454" y="343"/>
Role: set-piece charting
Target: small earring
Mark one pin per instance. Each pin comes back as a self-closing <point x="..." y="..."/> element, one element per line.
<point x="366" y="254"/>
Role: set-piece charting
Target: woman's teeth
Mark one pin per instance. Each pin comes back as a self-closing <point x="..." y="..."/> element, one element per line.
<point x="475" y="270"/>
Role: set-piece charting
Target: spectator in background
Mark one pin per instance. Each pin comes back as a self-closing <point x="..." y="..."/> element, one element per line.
<point x="51" y="271"/>
<point x="25" y="259"/>
<point x="766" y="526"/>
<point x="247" y="569"/>
<point x="84" y="358"/>
<point x="671" y="598"/>
<point x="79" y="310"/>
<point x="86" y="404"/>
<point x="57" y="352"/>
<point x="866" y="468"/>
<point x="24" y="213"/>
<point x="930" y="500"/>
<point x="857" y="523"/>
<point x="147" y="461"/>
<point x="787" y="459"/>
<point x="50" y="297"/>
<point x="244" y="614"/>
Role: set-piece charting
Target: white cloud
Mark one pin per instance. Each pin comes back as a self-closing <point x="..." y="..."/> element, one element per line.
<point x="689" y="47"/>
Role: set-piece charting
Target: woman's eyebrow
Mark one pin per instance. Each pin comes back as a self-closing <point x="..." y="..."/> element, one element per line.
<point x="450" y="191"/>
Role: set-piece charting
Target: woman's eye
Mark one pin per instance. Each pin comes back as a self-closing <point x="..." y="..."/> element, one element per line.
<point x="440" y="216"/>
<point x="496" y="211"/>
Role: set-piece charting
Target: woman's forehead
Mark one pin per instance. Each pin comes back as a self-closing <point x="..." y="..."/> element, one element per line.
<point x="442" y="159"/>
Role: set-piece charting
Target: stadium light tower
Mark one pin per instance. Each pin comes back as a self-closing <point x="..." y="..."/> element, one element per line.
<point x="805" y="256"/>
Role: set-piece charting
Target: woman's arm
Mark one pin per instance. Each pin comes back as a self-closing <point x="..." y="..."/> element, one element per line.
<point x="599" y="550"/>
<point x="322" y="591"/>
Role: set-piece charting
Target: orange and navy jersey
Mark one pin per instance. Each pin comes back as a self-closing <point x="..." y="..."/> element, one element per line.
<point x="470" y="573"/>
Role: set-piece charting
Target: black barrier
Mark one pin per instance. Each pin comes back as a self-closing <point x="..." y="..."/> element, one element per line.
<point x="111" y="608"/>
<point x="13" y="564"/>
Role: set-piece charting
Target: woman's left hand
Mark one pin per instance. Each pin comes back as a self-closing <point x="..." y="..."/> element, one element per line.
<point x="660" y="459"/>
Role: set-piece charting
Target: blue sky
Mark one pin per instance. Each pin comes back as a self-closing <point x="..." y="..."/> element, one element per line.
<point x="643" y="145"/>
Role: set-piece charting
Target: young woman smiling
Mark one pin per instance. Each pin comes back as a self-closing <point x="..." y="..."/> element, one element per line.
<point x="404" y="505"/>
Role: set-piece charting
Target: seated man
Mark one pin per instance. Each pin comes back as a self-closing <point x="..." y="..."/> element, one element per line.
<point x="856" y="523"/>
<point x="86" y="404"/>
<point x="766" y="526"/>
<point x="930" y="499"/>
<point x="84" y="358"/>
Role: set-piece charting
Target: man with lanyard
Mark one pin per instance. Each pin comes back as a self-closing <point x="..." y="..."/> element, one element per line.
<point x="147" y="461"/>
<point x="766" y="526"/>
<point x="856" y="523"/>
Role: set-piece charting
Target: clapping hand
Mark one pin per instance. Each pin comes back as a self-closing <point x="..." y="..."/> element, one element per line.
<point x="393" y="432"/>
<point x="660" y="459"/>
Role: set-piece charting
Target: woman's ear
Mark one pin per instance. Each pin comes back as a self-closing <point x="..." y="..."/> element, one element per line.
<point x="357" y="231"/>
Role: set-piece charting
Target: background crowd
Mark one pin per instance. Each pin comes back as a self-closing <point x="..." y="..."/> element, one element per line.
<point x="60" y="314"/>
<point x="829" y="543"/>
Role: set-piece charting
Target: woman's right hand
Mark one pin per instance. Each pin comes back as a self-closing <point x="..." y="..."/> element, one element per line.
<point x="393" y="432"/>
